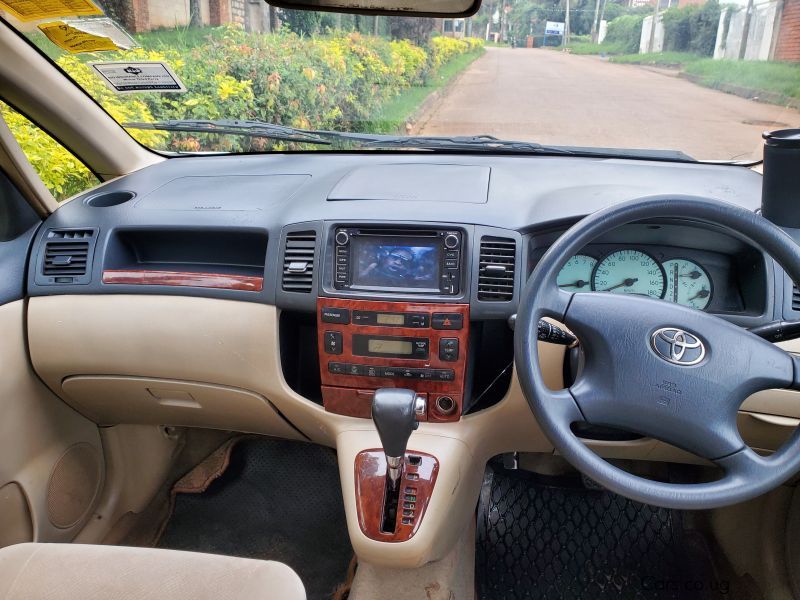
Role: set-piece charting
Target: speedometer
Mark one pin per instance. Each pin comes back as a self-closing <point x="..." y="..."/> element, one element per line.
<point x="629" y="272"/>
<point x="687" y="283"/>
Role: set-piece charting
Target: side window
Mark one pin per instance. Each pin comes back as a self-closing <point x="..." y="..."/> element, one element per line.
<point x="62" y="173"/>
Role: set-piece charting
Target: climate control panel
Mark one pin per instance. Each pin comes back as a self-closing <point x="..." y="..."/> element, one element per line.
<point x="365" y="345"/>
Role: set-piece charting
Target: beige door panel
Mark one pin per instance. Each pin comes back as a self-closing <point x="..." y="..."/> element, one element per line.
<point x="49" y="454"/>
<point x="16" y="524"/>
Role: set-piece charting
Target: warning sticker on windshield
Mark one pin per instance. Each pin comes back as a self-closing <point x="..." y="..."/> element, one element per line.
<point x="129" y="77"/>
<point x="74" y="40"/>
<point x="34" y="10"/>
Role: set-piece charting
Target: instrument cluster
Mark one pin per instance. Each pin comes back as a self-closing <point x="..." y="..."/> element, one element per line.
<point x="635" y="271"/>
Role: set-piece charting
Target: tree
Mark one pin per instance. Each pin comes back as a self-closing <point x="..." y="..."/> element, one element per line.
<point x="416" y="29"/>
<point x="302" y="22"/>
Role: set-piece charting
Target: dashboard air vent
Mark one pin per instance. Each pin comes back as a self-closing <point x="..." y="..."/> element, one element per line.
<point x="496" y="269"/>
<point x="298" y="261"/>
<point x="795" y="298"/>
<point x="66" y="253"/>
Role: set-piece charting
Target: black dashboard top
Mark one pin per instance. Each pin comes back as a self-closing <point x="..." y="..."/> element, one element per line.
<point x="229" y="201"/>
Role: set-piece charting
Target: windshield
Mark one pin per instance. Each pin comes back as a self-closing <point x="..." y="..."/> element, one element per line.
<point x="705" y="82"/>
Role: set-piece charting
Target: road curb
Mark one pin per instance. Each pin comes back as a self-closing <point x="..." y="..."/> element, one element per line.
<point x="414" y="122"/>
<point x="744" y="92"/>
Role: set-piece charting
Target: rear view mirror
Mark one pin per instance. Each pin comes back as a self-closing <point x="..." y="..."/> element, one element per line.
<point x="402" y="8"/>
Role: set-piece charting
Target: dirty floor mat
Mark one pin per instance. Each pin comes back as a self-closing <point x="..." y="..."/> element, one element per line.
<point x="553" y="538"/>
<point x="267" y="499"/>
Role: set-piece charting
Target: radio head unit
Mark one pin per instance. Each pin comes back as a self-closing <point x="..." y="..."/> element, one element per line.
<point x="418" y="261"/>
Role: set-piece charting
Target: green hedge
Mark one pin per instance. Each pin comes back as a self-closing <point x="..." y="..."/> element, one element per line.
<point x="336" y="81"/>
<point x="692" y="29"/>
<point x="625" y="33"/>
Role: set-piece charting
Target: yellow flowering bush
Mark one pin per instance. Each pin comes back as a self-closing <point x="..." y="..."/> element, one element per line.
<point x="337" y="81"/>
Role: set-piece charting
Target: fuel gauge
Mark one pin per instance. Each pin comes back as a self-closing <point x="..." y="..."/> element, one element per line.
<point x="687" y="283"/>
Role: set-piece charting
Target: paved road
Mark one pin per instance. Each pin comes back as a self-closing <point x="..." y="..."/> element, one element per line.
<point x="554" y="97"/>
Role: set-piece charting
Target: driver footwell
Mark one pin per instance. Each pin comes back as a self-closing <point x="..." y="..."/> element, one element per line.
<point x="551" y="537"/>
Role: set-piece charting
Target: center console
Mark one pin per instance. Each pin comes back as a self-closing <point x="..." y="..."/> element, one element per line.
<point x="366" y="343"/>
<point x="394" y="320"/>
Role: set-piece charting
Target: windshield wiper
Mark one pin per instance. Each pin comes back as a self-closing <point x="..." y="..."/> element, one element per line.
<point x="472" y="142"/>
<point x="281" y="133"/>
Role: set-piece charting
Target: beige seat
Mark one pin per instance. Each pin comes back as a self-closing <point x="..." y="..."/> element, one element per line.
<point x="83" y="572"/>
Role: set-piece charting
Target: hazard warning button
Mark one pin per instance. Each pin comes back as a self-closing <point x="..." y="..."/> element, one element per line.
<point x="447" y="321"/>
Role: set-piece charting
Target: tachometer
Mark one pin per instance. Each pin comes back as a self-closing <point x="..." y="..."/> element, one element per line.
<point x="687" y="283"/>
<point x="629" y="272"/>
<point x="576" y="274"/>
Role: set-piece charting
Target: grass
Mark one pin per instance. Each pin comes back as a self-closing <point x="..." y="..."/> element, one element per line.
<point x="396" y="112"/>
<point x="181" y="38"/>
<point x="662" y="59"/>
<point x="588" y="48"/>
<point x="778" y="78"/>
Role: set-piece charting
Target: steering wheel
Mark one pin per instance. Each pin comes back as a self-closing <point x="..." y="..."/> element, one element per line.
<point x="659" y="369"/>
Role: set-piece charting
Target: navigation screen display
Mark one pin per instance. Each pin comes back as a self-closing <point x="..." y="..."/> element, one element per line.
<point x="386" y="262"/>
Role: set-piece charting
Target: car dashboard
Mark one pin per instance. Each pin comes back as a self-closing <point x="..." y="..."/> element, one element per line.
<point x="275" y="294"/>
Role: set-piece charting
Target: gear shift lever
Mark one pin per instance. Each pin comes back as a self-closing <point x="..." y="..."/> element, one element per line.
<point x="395" y="412"/>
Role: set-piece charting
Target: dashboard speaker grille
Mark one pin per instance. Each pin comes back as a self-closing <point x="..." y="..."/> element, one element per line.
<point x="298" y="261"/>
<point x="496" y="269"/>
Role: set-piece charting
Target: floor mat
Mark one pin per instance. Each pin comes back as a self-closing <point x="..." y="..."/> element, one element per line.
<point x="276" y="500"/>
<point x="553" y="538"/>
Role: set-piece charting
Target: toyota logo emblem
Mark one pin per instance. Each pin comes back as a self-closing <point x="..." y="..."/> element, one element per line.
<point x="677" y="346"/>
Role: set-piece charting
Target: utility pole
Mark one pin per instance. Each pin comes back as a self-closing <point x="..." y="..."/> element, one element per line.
<point x="595" y="22"/>
<point x="652" y="44"/>
<point x="375" y="27"/>
<point x="565" y="38"/>
<point x="503" y="22"/>
<point x="600" y="19"/>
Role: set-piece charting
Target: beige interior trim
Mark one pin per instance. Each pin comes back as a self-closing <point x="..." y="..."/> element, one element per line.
<point x="111" y="400"/>
<point x="138" y="459"/>
<point x="785" y="403"/>
<point x="16" y="524"/>
<point x="36" y="428"/>
<point x="449" y="513"/>
<point x="451" y="578"/>
<point x="753" y="535"/>
<point x="31" y="84"/>
<point x="15" y="164"/>
<point x="235" y="344"/>
<point x="70" y="571"/>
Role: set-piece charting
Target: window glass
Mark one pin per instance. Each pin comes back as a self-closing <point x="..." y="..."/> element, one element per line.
<point x="62" y="173"/>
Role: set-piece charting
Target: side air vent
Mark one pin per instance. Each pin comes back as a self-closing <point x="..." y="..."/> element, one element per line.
<point x="66" y="253"/>
<point x="795" y="298"/>
<point x="298" y="261"/>
<point x="496" y="269"/>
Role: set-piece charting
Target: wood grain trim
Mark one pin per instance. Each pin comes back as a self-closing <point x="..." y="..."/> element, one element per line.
<point x="370" y="472"/>
<point x="222" y="281"/>
<point x="335" y="397"/>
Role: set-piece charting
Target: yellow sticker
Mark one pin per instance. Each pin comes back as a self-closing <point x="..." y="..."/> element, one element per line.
<point x="34" y="10"/>
<point x="74" y="40"/>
